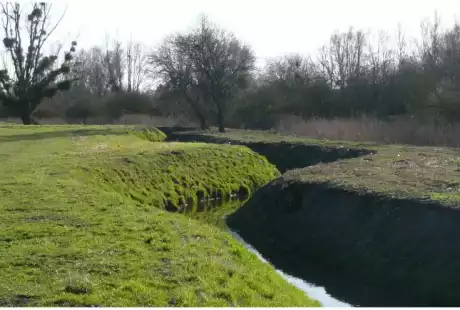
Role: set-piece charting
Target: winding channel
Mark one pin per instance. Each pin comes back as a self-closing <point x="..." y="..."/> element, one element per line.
<point x="315" y="292"/>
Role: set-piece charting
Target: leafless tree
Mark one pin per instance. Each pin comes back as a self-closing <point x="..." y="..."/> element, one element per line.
<point x="223" y="63"/>
<point x="401" y="45"/>
<point x="126" y="66"/>
<point x="430" y="45"/>
<point x="115" y="65"/>
<point x="380" y="58"/>
<point x="450" y="56"/>
<point x="34" y="76"/>
<point x="292" y="70"/>
<point x="208" y="66"/>
<point x="91" y="71"/>
<point x="328" y="65"/>
<point x="179" y="79"/>
<point x="342" y="60"/>
<point x="137" y="66"/>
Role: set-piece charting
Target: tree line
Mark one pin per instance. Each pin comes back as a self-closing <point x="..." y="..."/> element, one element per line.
<point x="210" y="75"/>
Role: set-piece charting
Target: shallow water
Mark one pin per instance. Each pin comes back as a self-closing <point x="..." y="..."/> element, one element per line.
<point x="213" y="212"/>
<point x="216" y="212"/>
<point x="315" y="292"/>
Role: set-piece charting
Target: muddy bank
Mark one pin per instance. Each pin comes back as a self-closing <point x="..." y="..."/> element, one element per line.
<point x="366" y="250"/>
<point x="284" y="155"/>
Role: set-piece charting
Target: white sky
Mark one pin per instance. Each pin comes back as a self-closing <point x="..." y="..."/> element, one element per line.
<point x="272" y="28"/>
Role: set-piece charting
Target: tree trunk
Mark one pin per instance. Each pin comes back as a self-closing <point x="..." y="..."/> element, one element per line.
<point x="198" y="112"/>
<point x="202" y="118"/>
<point x="27" y="119"/>
<point x="204" y="124"/>
<point x="220" y="119"/>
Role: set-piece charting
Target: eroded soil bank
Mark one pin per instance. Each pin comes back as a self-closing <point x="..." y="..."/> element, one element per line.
<point x="285" y="155"/>
<point x="366" y="249"/>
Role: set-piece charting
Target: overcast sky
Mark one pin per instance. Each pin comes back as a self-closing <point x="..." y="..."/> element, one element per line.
<point x="272" y="28"/>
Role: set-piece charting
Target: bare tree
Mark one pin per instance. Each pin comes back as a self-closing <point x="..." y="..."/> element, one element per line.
<point x="430" y="46"/>
<point x="342" y="60"/>
<point x="292" y="70"/>
<point x="116" y="65"/>
<point x="91" y="71"/>
<point x="34" y="76"/>
<point x="401" y="45"/>
<point x="126" y="66"/>
<point x="223" y="63"/>
<point x="450" y="56"/>
<point x="176" y="72"/>
<point x="328" y="65"/>
<point x="380" y="58"/>
<point x="137" y="66"/>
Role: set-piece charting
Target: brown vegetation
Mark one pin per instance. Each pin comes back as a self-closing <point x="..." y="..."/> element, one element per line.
<point x="396" y="131"/>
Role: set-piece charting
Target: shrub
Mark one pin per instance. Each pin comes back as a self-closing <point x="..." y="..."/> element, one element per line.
<point x="43" y="112"/>
<point x="118" y="104"/>
<point x="85" y="108"/>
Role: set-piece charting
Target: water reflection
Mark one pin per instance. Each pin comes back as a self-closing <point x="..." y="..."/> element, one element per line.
<point x="315" y="292"/>
<point x="214" y="211"/>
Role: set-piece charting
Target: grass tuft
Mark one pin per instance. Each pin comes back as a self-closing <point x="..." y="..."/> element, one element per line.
<point x="78" y="284"/>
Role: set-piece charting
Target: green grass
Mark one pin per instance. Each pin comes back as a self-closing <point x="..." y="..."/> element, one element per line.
<point x="82" y="221"/>
<point x="176" y="174"/>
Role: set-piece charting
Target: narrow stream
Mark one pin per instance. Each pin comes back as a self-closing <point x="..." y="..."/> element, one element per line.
<point x="215" y="213"/>
<point x="315" y="292"/>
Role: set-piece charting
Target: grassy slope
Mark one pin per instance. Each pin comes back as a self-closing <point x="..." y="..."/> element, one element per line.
<point x="70" y="235"/>
<point x="422" y="173"/>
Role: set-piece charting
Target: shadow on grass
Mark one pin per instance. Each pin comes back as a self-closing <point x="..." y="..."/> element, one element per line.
<point x="59" y="134"/>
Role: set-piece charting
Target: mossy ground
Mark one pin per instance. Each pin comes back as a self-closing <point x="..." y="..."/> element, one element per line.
<point x="414" y="173"/>
<point x="72" y="234"/>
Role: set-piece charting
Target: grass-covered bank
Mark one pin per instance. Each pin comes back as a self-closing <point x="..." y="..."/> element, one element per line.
<point x="378" y="230"/>
<point x="82" y="222"/>
<point x="182" y="175"/>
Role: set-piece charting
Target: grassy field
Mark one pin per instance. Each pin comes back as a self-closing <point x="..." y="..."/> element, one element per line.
<point x="416" y="173"/>
<point x="83" y="221"/>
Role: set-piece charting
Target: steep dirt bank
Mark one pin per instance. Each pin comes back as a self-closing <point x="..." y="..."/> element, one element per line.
<point x="367" y="249"/>
<point x="285" y="155"/>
